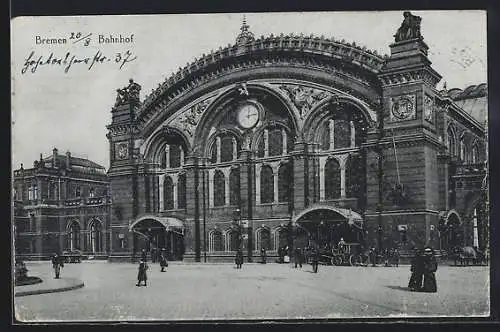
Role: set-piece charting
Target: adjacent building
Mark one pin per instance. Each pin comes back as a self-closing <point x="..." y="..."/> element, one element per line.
<point x="61" y="204"/>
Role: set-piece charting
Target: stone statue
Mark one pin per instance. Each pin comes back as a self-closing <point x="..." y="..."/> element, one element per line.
<point x="409" y="29"/>
<point x="130" y="92"/>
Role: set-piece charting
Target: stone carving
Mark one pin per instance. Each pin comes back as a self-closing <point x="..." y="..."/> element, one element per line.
<point x="409" y="29"/>
<point x="303" y="97"/>
<point x="128" y="93"/>
<point x="428" y="108"/>
<point x="189" y="119"/>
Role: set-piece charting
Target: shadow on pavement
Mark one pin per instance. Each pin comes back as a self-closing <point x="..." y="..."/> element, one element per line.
<point x="406" y="289"/>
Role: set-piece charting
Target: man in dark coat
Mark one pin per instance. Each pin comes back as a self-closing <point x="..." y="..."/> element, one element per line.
<point x="315" y="260"/>
<point x="142" y="275"/>
<point x="415" y="283"/>
<point x="57" y="264"/>
<point x="263" y="256"/>
<point x="298" y="257"/>
<point x="163" y="260"/>
<point x="239" y="259"/>
<point x="429" y="267"/>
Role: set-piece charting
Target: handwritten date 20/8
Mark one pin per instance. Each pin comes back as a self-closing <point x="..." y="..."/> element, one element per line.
<point x="33" y="62"/>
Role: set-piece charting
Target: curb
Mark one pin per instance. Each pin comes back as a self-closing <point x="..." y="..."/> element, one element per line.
<point x="79" y="284"/>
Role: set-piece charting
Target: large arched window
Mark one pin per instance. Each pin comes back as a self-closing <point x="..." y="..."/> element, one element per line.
<point x="342" y="134"/>
<point x="263" y="239"/>
<point x="266" y="184"/>
<point x="175" y="156"/>
<point x="74" y="236"/>
<point x="231" y="240"/>
<point x="234" y="186"/>
<point x="284" y="182"/>
<point x="95" y="236"/>
<point x="475" y="154"/>
<point x="224" y="146"/>
<point x="332" y="179"/>
<point x="354" y="176"/>
<point x="181" y="191"/>
<point x="168" y="193"/>
<point x="450" y="144"/>
<point x="226" y="149"/>
<point x="215" y="241"/>
<point x="275" y="142"/>
<point x="325" y="136"/>
<point x="219" y="189"/>
<point x="463" y="150"/>
<point x="172" y="155"/>
<point x="280" y="239"/>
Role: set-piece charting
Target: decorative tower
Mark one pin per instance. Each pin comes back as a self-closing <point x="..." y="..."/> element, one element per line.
<point x="408" y="145"/>
<point x="123" y="171"/>
<point x="245" y="35"/>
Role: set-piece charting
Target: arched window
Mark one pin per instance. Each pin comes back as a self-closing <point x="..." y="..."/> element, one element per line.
<point x="275" y="142"/>
<point x="30" y="193"/>
<point x="91" y="192"/>
<point x="231" y="240"/>
<point x="215" y="241"/>
<point x="234" y="186"/>
<point x="226" y="148"/>
<point x="475" y="154"/>
<point x="219" y="189"/>
<point x="35" y="191"/>
<point x="168" y="193"/>
<point x="332" y="179"/>
<point x="463" y="150"/>
<point x="74" y="236"/>
<point x="261" y="148"/>
<point x="280" y="239"/>
<point x="263" y="239"/>
<point x="181" y="191"/>
<point x="342" y="134"/>
<point x="325" y="136"/>
<point x="213" y="153"/>
<point x="266" y="184"/>
<point x="284" y="181"/>
<point x="95" y="236"/>
<point x="354" y="176"/>
<point x="175" y="156"/>
<point x="450" y="144"/>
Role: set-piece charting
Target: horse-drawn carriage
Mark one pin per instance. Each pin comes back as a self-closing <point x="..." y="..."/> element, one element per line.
<point x="465" y="256"/>
<point x="348" y="254"/>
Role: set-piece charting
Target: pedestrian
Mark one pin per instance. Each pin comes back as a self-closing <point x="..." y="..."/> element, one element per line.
<point x="341" y="245"/>
<point x="163" y="260"/>
<point x="142" y="275"/>
<point x="315" y="260"/>
<point x="153" y="254"/>
<point x="373" y="256"/>
<point x="298" y="257"/>
<point x="144" y="255"/>
<point x="415" y="283"/>
<point x="239" y="259"/>
<point x="263" y="256"/>
<point x="57" y="264"/>
<point x="429" y="268"/>
<point x="395" y="256"/>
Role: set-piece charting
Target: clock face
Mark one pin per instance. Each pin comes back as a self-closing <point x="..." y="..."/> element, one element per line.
<point x="122" y="151"/>
<point x="248" y="116"/>
<point x="402" y="109"/>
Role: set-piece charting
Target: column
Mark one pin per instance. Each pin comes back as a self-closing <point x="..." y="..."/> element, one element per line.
<point x="217" y="142"/>
<point x="275" y="166"/>
<point x="226" y="171"/>
<point x="284" y="137"/>
<point x="476" y="235"/>
<point x="353" y="134"/>
<point x="342" y="161"/>
<point x="161" y="181"/>
<point x="257" y="183"/>
<point x="266" y="143"/>
<point x="211" y="173"/>
<point x="322" y="163"/>
<point x="235" y="148"/>
<point x="331" y="125"/>
<point x="167" y="156"/>
<point x="182" y="156"/>
<point x="174" y="177"/>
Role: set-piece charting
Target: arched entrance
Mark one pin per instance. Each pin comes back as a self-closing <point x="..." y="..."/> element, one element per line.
<point x="155" y="233"/>
<point x="451" y="233"/>
<point x="326" y="225"/>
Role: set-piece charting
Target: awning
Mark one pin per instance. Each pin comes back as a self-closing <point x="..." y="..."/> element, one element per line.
<point x="352" y="217"/>
<point x="170" y="223"/>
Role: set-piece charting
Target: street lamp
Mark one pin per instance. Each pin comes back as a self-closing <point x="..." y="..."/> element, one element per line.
<point x="237" y="222"/>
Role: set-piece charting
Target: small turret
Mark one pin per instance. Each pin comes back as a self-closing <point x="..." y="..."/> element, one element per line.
<point x="245" y="35"/>
<point x="68" y="160"/>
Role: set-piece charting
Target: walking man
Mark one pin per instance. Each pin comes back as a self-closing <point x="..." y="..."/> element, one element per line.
<point x="429" y="267"/>
<point x="57" y="264"/>
<point x="163" y="260"/>
<point x="263" y="256"/>
<point x="415" y="283"/>
<point x="298" y="257"/>
<point x="315" y="260"/>
<point x="142" y="275"/>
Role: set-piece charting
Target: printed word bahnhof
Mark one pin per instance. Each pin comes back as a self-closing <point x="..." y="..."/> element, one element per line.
<point x="295" y="141"/>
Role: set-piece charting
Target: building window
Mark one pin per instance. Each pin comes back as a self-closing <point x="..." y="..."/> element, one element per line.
<point x="451" y="142"/>
<point x="95" y="236"/>
<point x="263" y="239"/>
<point x="275" y="142"/>
<point x="91" y="192"/>
<point x="30" y="193"/>
<point x="181" y="191"/>
<point x="213" y="155"/>
<point x="226" y="147"/>
<point x="325" y="136"/>
<point x="266" y="184"/>
<point x="78" y="191"/>
<point x="261" y="148"/>
<point x="234" y="186"/>
<point x="219" y="189"/>
<point x="332" y="179"/>
<point x="284" y="181"/>
<point x="354" y="182"/>
<point x="74" y="236"/>
<point x="280" y="239"/>
<point x="463" y="150"/>
<point x="231" y="240"/>
<point x="215" y="241"/>
<point x="342" y="134"/>
<point x="35" y="192"/>
<point x="168" y="193"/>
<point x="475" y="154"/>
<point x="175" y="156"/>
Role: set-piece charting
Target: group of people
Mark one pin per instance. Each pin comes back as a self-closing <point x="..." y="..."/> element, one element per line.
<point x="142" y="276"/>
<point x="423" y="268"/>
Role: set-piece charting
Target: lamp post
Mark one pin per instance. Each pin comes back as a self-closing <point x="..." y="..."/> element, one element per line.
<point x="237" y="222"/>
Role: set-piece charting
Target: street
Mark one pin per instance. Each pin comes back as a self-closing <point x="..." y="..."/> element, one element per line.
<point x="271" y="291"/>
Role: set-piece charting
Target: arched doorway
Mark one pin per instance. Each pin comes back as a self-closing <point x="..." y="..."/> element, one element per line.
<point x="451" y="232"/>
<point x="155" y="233"/>
<point x="325" y="226"/>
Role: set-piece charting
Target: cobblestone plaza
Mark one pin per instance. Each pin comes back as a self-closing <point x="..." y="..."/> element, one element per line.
<point x="271" y="291"/>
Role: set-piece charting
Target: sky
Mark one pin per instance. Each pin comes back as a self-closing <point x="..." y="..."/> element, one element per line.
<point x="70" y="110"/>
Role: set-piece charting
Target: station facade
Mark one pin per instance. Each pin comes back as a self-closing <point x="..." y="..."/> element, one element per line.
<point x="294" y="140"/>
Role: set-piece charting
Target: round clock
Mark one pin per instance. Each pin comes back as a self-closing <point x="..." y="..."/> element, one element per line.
<point x="122" y="151"/>
<point x="402" y="109"/>
<point x="248" y="116"/>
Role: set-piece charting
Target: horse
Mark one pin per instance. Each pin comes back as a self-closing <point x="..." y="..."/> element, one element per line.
<point x="464" y="255"/>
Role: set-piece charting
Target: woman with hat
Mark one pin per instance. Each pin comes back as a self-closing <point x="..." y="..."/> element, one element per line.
<point x="163" y="260"/>
<point x="429" y="269"/>
<point x="416" y="269"/>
